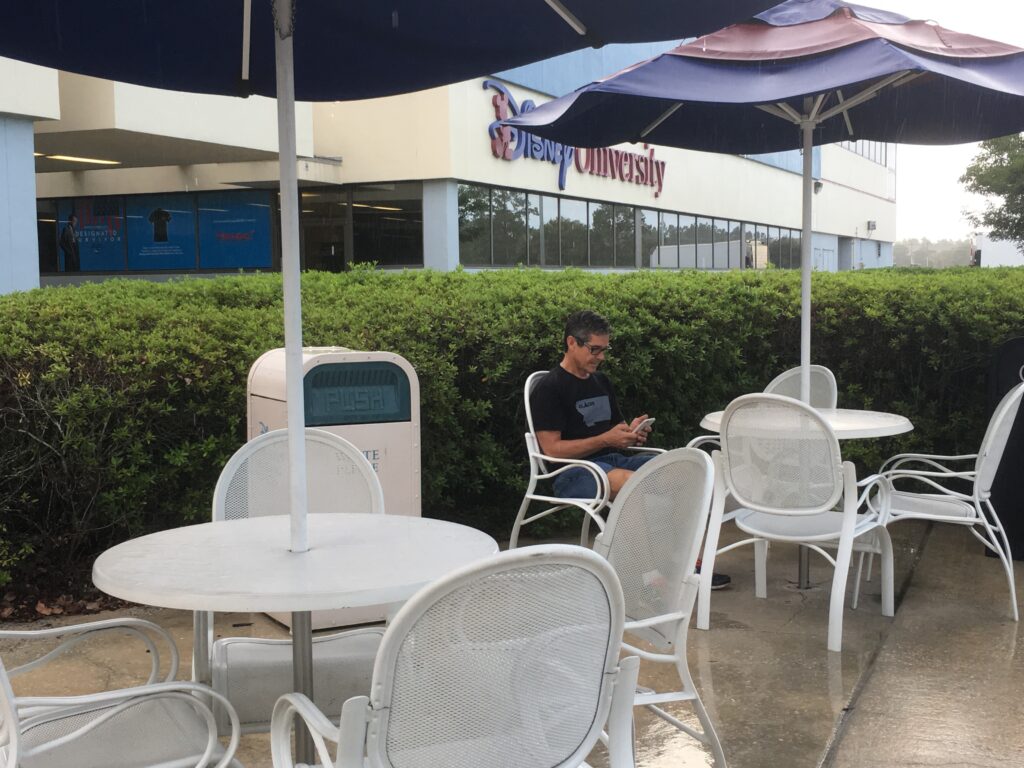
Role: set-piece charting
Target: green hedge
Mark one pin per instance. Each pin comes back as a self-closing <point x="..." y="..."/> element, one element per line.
<point x="120" y="402"/>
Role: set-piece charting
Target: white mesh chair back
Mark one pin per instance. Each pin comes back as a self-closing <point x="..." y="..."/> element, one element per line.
<point x="254" y="482"/>
<point x="824" y="391"/>
<point x="503" y="663"/>
<point x="10" y="728"/>
<point x="654" y="532"/>
<point x="531" y="436"/>
<point x="996" y="436"/>
<point x="779" y="455"/>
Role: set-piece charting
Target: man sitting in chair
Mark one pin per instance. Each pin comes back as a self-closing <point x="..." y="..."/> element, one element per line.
<point x="576" y="415"/>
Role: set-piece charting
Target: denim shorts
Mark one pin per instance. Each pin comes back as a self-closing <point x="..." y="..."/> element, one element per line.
<point x="578" y="483"/>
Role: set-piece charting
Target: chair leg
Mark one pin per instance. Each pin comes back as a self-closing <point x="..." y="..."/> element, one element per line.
<point x="513" y="540"/>
<point x="761" y="568"/>
<point x="1004" y="555"/>
<point x="885" y="544"/>
<point x="871" y="564"/>
<point x="856" y="582"/>
<point x="585" y="531"/>
<point x="838" y="597"/>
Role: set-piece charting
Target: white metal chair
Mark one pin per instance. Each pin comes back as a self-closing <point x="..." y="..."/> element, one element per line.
<point x="253" y="672"/>
<point x="824" y="391"/>
<point x="546" y="468"/>
<point x="652" y="539"/>
<point x="163" y="722"/>
<point x="943" y="504"/>
<point x="780" y="461"/>
<point x="513" y="661"/>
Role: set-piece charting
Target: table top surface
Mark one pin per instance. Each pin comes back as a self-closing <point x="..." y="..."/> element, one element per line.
<point x="847" y="423"/>
<point x="245" y="565"/>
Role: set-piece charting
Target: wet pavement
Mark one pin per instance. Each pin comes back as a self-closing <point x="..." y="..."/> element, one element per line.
<point x="938" y="685"/>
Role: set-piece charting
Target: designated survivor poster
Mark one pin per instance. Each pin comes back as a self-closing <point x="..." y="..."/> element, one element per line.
<point x="161" y="232"/>
<point x="234" y="230"/>
<point x="100" y="232"/>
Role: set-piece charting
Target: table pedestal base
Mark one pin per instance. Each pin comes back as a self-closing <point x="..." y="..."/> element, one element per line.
<point x="302" y="677"/>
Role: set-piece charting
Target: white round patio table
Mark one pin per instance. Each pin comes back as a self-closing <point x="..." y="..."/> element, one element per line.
<point x="847" y="423"/>
<point x="245" y="565"/>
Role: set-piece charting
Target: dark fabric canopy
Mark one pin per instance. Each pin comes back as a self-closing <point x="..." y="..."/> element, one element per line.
<point x="344" y="49"/>
<point x="955" y="88"/>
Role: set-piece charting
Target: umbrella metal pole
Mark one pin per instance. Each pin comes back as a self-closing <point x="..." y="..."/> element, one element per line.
<point x="302" y="661"/>
<point x="290" y="274"/>
<point x="807" y="128"/>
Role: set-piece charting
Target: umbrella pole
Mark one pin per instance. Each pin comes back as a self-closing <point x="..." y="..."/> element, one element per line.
<point x="807" y="127"/>
<point x="290" y="274"/>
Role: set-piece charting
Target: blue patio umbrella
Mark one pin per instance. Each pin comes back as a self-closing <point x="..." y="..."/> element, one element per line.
<point x="803" y="73"/>
<point x="343" y="49"/>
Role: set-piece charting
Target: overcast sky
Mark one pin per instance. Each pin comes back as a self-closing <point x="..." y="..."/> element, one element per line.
<point x="930" y="199"/>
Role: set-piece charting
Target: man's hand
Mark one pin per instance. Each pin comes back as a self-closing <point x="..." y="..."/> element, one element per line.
<point x="622" y="436"/>
<point x="642" y="433"/>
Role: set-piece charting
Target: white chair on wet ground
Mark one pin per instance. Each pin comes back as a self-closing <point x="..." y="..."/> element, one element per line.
<point x="544" y="469"/>
<point x="780" y="462"/>
<point x="934" y="499"/>
<point x="162" y="722"/>
<point x="511" y="661"/>
<point x="652" y="540"/>
<point x="253" y="672"/>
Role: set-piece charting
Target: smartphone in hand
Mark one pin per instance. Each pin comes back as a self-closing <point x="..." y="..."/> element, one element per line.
<point x="643" y="425"/>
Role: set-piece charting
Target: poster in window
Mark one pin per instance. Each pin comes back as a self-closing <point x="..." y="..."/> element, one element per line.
<point x="161" y="232"/>
<point x="234" y="230"/>
<point x="100" y="232"/>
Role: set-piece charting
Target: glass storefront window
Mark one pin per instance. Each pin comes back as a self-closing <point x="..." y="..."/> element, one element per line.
<point x="474" y="225"/>
<point x="687" y="242"/>
<point x="705" y="244"/>
<point x="47" y="232"/>
<point x="735" y="245"/>
<point x="625" y="236"/>
<point x="775" y="248"/>
<point x="648" y="223"/>
<point x="324" y="213"/>
<point x="602" y="235"/>
<point x="668" y="241"/>
<point x="509" y="227"/>
<point x="573" y="232"/>
<point x="721" y="252"/>
<point x="387" y="224"/>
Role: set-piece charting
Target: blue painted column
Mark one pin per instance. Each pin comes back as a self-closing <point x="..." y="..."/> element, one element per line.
<point x="19" y="247"/>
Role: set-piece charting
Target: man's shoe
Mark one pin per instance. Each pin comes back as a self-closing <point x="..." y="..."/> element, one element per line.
<point x="718" y="580"/>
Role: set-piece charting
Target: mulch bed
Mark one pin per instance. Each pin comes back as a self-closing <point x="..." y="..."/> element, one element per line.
<point x="31" y="604"/>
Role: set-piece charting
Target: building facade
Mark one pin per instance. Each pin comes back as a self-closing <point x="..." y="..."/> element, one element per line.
<point x="166" y="183"/>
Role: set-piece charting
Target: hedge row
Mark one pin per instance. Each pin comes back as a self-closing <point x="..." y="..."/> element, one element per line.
<point x="120" y="402"/>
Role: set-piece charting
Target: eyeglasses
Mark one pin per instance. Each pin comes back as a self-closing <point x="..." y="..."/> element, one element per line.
<point x="594" y="349"/>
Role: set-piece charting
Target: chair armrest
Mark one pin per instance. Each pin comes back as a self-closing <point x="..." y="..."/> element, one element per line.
<point x="714" y="441"/>
<point x="282" y="722"/>
<point x="600" y="478"/>
<point x="79" y="632"/>
<point x="40" y="709"/>
<point x="880" y="504"/>
<point x="933" y="460"/>
<point x="928" y="478"/>
<point x="644" y="449"/>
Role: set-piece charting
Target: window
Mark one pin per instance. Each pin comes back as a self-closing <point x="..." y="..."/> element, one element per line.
<point x="688" y="242"/>
<point x="573" y="232"/>
<point x="668" y="241"/>
<point x="387" y="224"/>
<point x="721" y="252"/>
<point x="602" y="235"/>
<point x="648" y="222"/>
<point x="474" y="225"/>
<point x="625" y="236"/>
<point x="705" y="244"/>
<point x="509" y="231"/>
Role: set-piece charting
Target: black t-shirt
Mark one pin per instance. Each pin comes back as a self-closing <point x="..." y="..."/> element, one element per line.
<point x="578" y="408"/>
